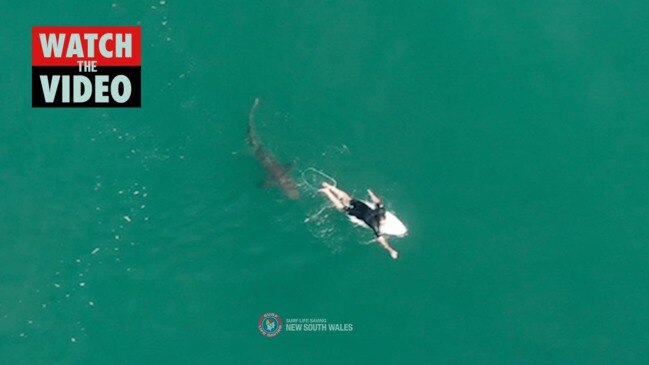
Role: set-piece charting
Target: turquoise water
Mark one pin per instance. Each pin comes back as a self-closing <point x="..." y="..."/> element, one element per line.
<point x="511" y="138"/>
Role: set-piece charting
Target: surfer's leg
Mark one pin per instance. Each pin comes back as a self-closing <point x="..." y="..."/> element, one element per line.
<point x="341" y="195"/>
<point x="384" y="242"/>
<point x="334" y="199"/>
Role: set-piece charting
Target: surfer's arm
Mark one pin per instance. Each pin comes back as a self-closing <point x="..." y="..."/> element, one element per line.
<point x="374" y="197"/>
<point x="384" y="242"/>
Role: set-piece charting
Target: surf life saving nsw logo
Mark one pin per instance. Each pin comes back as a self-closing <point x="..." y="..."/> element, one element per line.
<point x="269" y="324"/>
<point x="86" y="66"/>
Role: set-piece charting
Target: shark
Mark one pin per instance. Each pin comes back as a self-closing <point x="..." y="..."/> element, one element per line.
<point x="278" y="173"/>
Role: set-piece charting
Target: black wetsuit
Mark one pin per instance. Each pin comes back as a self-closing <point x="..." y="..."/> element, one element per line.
<point x="371" y="217"/>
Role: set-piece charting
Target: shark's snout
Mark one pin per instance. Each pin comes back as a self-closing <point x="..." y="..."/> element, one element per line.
<point x="290" y="189"/>
<point x="293" y="193"/>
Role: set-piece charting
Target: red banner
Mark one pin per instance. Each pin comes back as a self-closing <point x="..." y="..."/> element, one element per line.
<point x="67" y="45"/>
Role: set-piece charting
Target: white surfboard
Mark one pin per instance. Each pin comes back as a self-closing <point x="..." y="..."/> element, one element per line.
<point x="391" y="225"/>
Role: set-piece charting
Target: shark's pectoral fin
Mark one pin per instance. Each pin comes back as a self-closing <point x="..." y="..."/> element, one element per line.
<point x="267" y="183"/>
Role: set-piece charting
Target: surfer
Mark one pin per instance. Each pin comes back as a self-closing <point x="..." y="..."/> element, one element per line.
<point x="372" y="217"/>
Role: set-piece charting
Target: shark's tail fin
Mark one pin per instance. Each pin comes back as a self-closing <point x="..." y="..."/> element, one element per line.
<point x="252" y="138"/>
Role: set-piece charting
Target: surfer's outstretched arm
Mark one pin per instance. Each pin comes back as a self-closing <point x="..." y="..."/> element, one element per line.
<point x="375" y="198"/>
<point x="384" y="242"/>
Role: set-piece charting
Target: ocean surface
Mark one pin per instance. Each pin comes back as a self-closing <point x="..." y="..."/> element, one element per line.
<point x="512" y="139"/>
